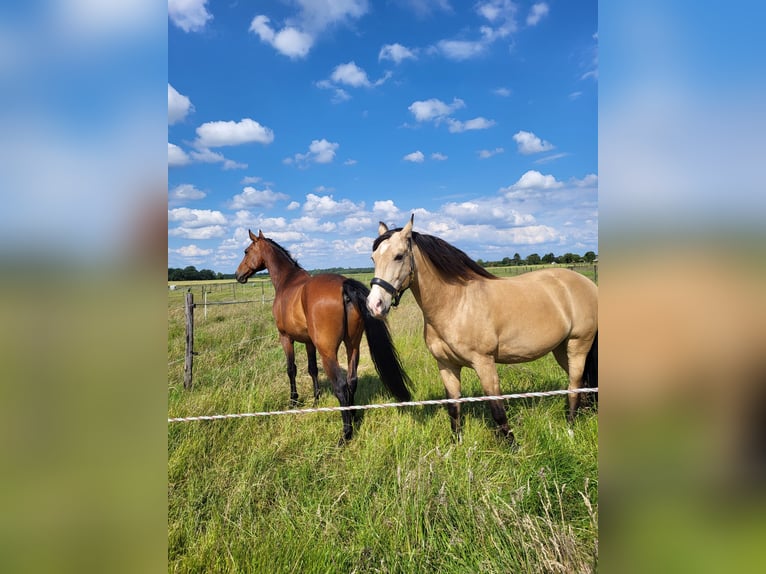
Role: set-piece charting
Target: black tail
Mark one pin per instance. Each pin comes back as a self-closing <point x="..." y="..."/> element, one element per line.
<point x="382" y="350"/>
<point x="590" y="376"/>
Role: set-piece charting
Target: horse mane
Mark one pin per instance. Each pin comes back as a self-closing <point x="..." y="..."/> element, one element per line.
<point x="283" y="251"/>
<point x="451" y="263"/>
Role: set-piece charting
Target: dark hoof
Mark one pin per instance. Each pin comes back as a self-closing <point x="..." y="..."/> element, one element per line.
<point x="508" y="436"/>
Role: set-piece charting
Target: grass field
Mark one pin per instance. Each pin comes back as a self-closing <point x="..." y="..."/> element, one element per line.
<point x="277" y="495"/>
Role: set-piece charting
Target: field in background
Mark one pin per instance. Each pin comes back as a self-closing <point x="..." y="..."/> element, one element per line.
<point x="276" y="495"/>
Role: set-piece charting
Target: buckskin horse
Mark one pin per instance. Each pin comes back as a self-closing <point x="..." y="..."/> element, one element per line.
<point x="323" y="311"/>
<point x="476" y="319"/>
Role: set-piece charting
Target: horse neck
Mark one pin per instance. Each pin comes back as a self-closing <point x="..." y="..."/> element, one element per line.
<point x="431" y="292"/>
<point x="281" y="268"/>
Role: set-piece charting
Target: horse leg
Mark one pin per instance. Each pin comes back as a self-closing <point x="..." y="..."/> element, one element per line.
<point x="289" y="348"/>
<point x="572" y="360"/>
<point x="333" y="371"/>
<point x="311" y="353"/>
<point x="353" y="367"/>
<point x="490" y="382"/>
<point x="451" y="378"/>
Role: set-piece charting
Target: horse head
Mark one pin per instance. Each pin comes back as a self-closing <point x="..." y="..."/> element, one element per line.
<point x="253" y="260"/>
<point x="394" y="268"/>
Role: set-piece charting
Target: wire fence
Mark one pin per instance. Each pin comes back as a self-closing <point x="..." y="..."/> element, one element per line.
<point x="533" y="394"/>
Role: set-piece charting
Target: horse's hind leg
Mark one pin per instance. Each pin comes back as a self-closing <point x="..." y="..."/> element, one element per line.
<point x="341" y="390"/>
<point x="289" y="348"/>
<point x="490" y="382"/>
<point x="352" y="377"/>
<point x="571" y="356"/>
<point x="311" y="353"/>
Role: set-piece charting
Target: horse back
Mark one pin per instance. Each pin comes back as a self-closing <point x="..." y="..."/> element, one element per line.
<point x="325" y="309"/>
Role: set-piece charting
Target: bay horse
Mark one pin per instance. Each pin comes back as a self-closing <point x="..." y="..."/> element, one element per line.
<point x="476" y="319"/>
<point x="323" y="311"/>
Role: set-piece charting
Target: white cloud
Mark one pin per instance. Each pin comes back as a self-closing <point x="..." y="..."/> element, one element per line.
<point x="501" y="15"/>
<point x="221" y="133"/>
<point x="288" y="41"/>
<point x="434" y="109"/>
<point x="415" y="157"/>
<point x="293" y="205"/>
<point x="207" y="156"/>
<point x="437" y="111"/>
<point x="191" y="251"/>
<point x="438" y="156"/>
<point x="536" y="13"/>
<point x="185" y="192"/>
<point x="189" y="15"/>
<point x="248" y="179"/>
<point x="529" y="143"/>
<point x="322" y="205"/>
<point x="456" y="126"/>
<point x="487" y="153"/>
<point x="396" y="53"/>
<point x="550" y="158"/>
<point x="196" y="217"/>
<point x="309" y="223"/>
<point x="589" y="180"/>
<point x="320" y="151"/>
<point x="386" y="210"/>
<point x="352" y="75"/>
<point x="208" y="232"/>
<point x="178" y="106"/>
<point x="176" y="156"/>
<point x="460" y="50"/>
<point x="350" y="162"/>
<point x="533" y="179"/>
<point x="251" y="197"/>
<point x="504" y="92"/>
<point x="296" y="39"/>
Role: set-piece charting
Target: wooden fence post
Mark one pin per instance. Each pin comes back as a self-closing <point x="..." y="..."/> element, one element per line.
<point x="189" y="360"/>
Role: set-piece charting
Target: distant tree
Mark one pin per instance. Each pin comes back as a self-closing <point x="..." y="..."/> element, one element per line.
<point x="533" y="259"/>
<point x="481" y="262"/>
<point x="516" y="259"/>
<point x="548" y="258"/>
<point x="589" y="256"/>
<point x="569" y="258"/>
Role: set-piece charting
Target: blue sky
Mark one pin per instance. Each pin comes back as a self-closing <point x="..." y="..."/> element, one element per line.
<point x="314" y="120"/>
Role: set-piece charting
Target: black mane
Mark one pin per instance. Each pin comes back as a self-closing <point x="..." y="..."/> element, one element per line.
<point x="451" y="263"/>
<point x="284" y="252"/>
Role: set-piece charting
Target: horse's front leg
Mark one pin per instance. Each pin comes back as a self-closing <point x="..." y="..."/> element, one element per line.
<point x="311" y="353"/>
<point x="292" y="370"/>
<point x="451" y="378"/>
<point x="490" y="382"/>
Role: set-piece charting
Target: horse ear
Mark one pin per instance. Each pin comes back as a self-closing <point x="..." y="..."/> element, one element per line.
<point x="260" y="234"/>
<point x="382" y="228"/>
<point x="407" y="230"/>
<point x="252" y="237"/>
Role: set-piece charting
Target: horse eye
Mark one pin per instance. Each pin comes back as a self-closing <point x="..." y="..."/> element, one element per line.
<point x="399" y="257"/>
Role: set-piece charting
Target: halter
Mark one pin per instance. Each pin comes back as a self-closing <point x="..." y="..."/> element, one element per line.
<point x="396" y="294"/>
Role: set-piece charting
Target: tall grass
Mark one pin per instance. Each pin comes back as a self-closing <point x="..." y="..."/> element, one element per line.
<point x="277" y="495"/>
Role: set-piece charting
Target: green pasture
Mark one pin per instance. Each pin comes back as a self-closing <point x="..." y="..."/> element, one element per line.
<point x="277" y="495"/>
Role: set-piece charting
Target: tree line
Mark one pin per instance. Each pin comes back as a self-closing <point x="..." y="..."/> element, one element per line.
<point x="190" y="273"/>
<point x="535" y="259"/>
